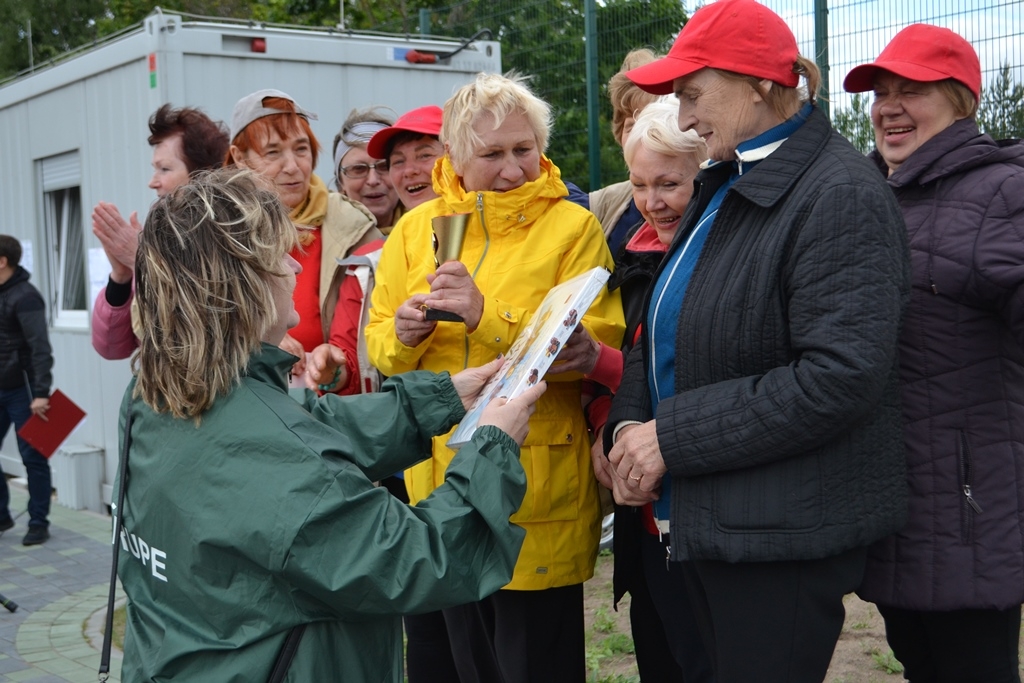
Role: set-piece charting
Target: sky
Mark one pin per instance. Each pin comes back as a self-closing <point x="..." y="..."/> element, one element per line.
<point x="859" y="29"/>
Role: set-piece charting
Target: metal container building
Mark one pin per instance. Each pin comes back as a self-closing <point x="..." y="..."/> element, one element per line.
<point x="74" y="133"/>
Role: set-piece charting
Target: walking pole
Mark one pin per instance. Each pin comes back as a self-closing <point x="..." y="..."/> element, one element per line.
<point x="9" y="604"/>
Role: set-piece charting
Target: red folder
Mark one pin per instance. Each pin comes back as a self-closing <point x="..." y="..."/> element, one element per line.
<point x="46" y="435"/>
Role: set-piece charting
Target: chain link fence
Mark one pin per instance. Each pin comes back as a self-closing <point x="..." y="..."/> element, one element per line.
<point x="858" y="30"/>
<point x="546" y="39"/>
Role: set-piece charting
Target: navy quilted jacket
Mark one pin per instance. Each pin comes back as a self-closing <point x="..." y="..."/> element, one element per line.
<point x="784" y="436"/>
<point x="962" y="375"/>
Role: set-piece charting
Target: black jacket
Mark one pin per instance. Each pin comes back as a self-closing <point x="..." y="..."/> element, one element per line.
<point x="632" y="277"/>
<point x="24" y="345"/>
<point x="784" y="438"/>
<point x="962" y="373"/>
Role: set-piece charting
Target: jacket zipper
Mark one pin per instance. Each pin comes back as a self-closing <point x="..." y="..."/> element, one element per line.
<point x="479" y="264"/>
<point x="966" y="478"/>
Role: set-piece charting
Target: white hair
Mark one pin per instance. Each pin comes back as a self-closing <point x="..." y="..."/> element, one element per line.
<point x="657" y="129"/>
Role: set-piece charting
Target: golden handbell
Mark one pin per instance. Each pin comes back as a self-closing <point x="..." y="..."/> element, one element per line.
<point x="449" y="235"/>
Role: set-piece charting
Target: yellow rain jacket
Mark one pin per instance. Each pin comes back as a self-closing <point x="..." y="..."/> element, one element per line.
<point x="518" y="245"/>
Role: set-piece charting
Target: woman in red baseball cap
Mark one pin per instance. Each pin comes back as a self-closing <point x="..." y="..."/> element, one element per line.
<point x="760" y="408"/>
<point x="951" y="582"/>
<point x="410" y="146"/>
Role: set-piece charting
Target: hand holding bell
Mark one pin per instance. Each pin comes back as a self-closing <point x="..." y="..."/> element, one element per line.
<point x="449" y="236"/>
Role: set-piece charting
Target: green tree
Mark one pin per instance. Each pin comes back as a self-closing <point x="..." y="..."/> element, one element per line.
<point x="121" y="14"/>
<point x="854" y="123"/>
<point x="544" y="40"/>
<point x="62" y="25"/>
<point x="624" y="25"/>
<point x="1001" y="112"/>
<point x="56" y="27"/>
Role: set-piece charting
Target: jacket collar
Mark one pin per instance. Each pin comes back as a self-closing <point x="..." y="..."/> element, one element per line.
<point x="270" y="365"/>
<point x="519" y="207"/>
<point x="646" y="239"/>
<point x="958" y="148"/>
<point x="778" y="172"/>
<point x="20" y="275"/>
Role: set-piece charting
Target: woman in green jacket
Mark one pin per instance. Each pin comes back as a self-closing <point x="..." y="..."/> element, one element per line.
<point x="248" y="513"/>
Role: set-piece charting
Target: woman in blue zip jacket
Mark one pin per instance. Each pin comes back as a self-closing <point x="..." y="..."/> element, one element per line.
<point x="760" y="409"/>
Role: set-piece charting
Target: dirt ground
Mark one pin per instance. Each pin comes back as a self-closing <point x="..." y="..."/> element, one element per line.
<point x="861" y="656"/>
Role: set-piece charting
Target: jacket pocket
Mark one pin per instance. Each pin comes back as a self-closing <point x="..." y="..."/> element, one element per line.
<point x="969" y="507"/>
<point x="550" y="459"/>
<point x="782" y="496"/>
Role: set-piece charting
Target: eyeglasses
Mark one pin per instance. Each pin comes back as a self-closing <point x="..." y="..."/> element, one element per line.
<point x="357" y="171"/>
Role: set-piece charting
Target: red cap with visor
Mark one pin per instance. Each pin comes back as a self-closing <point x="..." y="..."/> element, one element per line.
<point x="425" y="120"/>
<point x="924" y="53"/>
<point x="741" y="36"/>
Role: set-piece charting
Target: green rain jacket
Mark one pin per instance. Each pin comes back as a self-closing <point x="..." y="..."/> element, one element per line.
<point x="265" y="516"/>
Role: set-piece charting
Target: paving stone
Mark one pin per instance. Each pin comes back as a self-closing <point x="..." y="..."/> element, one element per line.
<point x="57" y="586"/>
<point x="9" y="664"/>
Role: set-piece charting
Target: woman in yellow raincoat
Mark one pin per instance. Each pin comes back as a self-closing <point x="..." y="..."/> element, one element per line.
<point x="523" y="238"/>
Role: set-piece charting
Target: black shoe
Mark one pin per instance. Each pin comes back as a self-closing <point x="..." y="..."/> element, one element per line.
<point x="6" y="524"/>
<point x="37" y="535"/>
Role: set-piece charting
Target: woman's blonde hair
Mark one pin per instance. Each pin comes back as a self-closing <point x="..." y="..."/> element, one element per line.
<point x="204" y="279"/>
<point x="626" y="96"/>
<point x="499" y="96"/>
<point x="783" y="100"/>
<point x="965" y="104"/>
<point x="657" y="129"/>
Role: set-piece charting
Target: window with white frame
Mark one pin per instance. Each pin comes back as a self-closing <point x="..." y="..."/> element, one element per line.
<point x="63" y="240"/>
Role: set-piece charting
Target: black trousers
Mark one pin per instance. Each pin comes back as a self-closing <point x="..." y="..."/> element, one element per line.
<point x="428" y="653"/>
<point x="664" y="588"/>
<point x="520" y="637"/>
<point x="654" y="657"/>
<point x="962" y="646"/>
<point x="772" y="622"/>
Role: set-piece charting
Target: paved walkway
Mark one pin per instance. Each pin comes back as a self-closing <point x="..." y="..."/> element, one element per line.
<point x="58" y="586"/>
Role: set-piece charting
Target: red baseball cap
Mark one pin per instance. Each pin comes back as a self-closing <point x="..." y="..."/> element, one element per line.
<point x="924" y="53"/>
<point x="742" y="36"/>
<point x="426" y="120"/>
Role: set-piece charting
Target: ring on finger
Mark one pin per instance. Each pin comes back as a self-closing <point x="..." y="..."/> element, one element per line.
<point x="635" y="478"/>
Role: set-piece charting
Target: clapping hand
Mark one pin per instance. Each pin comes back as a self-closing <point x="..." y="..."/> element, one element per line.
<point x="120" y="239"/>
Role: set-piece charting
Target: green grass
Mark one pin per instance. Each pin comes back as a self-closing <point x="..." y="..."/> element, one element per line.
<point x="619" y="644"/>
<point x="604" y="642"/>
<point x="887" y="662"/>
<point x="117" y="637"/>
<point x="603" y="621"/>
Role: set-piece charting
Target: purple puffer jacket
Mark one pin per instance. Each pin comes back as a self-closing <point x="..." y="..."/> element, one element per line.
<point x="962" y="375"/>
